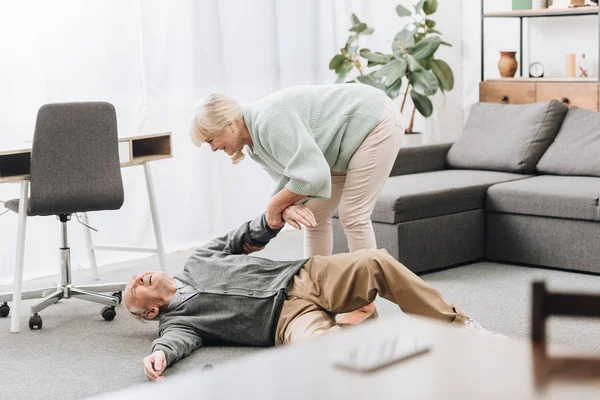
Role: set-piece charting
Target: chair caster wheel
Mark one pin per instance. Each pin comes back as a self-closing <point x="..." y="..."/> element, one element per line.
<point x="118" y="295"/>
<point x="35" y="322"/>
<point x="4" y="310"/>
<point x="108" y="313"/>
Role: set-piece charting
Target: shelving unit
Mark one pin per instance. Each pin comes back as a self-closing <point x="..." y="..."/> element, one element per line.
<point x="543" y="13"/>
<point x="547" y="79"/>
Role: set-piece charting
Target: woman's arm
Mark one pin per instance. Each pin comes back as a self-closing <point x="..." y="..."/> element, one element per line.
<point x="282" y="200"/>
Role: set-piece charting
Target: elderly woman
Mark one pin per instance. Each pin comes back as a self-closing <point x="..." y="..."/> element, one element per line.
<point x="327" y="148"/>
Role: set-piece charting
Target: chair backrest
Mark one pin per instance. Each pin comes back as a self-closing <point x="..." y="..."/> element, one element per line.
<point x="555" y="303"/>
<point x="75" y="159"/>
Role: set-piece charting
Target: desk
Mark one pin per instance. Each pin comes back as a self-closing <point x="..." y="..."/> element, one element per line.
<point x="139" y="150"/>
<point x="460" y="365"/>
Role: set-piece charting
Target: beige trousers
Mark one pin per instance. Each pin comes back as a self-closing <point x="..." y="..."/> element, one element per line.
<point x="328" y="285"/>
<point x="356" y="192"/>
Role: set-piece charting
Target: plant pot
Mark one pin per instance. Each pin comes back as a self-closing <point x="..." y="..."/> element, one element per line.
<point x="508" y="64"/>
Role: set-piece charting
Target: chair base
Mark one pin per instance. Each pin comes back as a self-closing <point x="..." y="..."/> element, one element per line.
<point x="52" y="295"/>
<point x="66" y="290"/>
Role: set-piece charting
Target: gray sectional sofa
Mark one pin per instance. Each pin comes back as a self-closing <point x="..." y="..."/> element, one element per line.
<point x="520" y="185"/>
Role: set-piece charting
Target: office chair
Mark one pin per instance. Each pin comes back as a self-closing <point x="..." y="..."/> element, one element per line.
<point x="74" y="168"/>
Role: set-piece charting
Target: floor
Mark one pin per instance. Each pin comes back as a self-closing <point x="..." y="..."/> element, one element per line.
<point x="77" y="354"/>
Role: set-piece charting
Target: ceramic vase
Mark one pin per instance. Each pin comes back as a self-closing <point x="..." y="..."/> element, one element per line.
<point x="508" y="64"/>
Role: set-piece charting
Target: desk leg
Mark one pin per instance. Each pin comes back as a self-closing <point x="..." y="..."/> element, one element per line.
<point x="90" y="247"/>
<point x="18" y="285"/>
<point x="155" y="221"/>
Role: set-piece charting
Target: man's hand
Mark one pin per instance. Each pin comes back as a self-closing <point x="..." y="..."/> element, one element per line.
<point x="154" y="365"/>
<point x="248" y="248"/>
<point x="274" y="220"/>
<point x="298" y="214"/>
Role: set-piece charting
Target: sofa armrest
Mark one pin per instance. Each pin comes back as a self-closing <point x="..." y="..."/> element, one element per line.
<point x="412" y="160"/>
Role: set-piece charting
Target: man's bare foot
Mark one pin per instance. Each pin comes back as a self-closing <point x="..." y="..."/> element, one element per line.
<point x="358" y="316"/>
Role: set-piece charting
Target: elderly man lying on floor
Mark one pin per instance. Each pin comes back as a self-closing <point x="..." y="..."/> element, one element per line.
<point x="225" y="294"/>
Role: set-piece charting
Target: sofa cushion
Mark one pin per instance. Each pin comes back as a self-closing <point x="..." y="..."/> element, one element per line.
<point x="507" y="137"/>
<point x="576" y="148"/>
<point x="431" y="194"/>
<point x="574" y="197"/>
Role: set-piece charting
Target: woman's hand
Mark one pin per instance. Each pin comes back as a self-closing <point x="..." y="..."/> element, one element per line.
<point x="274" y="220"/>
<point x="298" y="214"/>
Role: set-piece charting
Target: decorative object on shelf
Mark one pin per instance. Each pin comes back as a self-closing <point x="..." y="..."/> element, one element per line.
<point x="539" y="4"/>
<point x="521" y="5"/>
<point x="508" y="64"/>
<point x="536" y="70"/>
<point x="560" y="4"/>
<point x="571" y="65"/>
<point x="577" y="3"/>
<point x="583" y="67"/>
<point x="412" y="57"/>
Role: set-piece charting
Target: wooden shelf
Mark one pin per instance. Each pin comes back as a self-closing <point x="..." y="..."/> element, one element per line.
<point x="546" y="12"/>
<point x="549" y="79"/>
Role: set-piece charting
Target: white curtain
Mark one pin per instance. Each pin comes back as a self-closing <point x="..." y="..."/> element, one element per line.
<point x="153" y="60"/>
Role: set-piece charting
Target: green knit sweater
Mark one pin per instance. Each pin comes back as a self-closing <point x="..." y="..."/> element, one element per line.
<point x="303" y="133"/>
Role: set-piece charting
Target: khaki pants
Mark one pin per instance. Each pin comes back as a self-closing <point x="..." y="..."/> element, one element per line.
<point x="328" y="285"/>
<point x="356" y="191"/>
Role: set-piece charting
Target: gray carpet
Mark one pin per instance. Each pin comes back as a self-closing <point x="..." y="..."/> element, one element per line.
<point x="77" y="354"/>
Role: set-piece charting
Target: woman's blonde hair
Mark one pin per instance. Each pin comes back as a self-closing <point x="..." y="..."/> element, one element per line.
<point x="212" y="114"/>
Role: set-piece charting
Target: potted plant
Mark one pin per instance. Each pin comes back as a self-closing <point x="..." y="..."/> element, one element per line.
<point x="412" y="58"/>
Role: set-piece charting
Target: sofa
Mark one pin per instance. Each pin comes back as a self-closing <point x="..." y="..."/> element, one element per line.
<point x="520" y="185"/>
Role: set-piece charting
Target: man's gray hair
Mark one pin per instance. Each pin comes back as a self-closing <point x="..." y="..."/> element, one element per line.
<point x="136" y="312"/>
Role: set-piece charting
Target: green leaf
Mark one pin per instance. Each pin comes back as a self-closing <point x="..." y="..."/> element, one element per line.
<point x="368" y="31"/>
<point x="371" y="80"/>
<point x="426" y="47"/>
<point x="413" y="63"/>
<point x="446" y="44"/>
<point x="435" y="31"/>
<point x="351" y="40"/>
<point x="424" y="82"/>
<point x="367" y="80"/>
<point x="336" y="61"/>
<point x="422" y="103"/>
<point x="403" y="42"/>
<point x="346" y="67"/>
<point x="375" y="58"/>
<point x="388" y="69"/>
<point x="396" y="71"/>
<point x="355" y="20"/>
<point x="419" y="6"/>
<point x="403" y="11"/>
<point x="430" y="23"/>
<point x="444" y="74"/>
<point x="430" y="6"/>
<point x="358" y="28"/>
<point x="392" y="91"/>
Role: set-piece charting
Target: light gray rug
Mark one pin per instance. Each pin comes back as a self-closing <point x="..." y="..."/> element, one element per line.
<point x="77" y="354"/>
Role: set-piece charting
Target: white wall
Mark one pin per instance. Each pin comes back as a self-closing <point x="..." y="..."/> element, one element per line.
<point x="546" y="40"/>
<point x="153" y="60"/>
